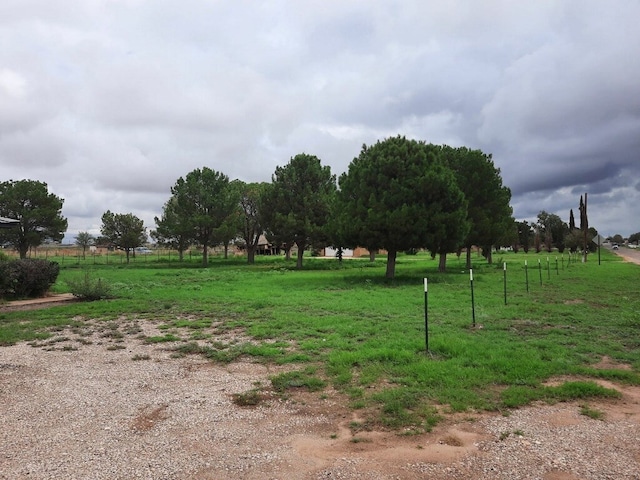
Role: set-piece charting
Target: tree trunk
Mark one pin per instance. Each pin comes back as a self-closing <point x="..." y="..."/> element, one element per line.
<point x="181" y="255"/>
<point x="372" y="255"/>
<point x="226" y="251"/>
<point x="391" y="264"/>
<point x="251" y="250"/>
<point x="299" y="260"/>
<point x="442" y="264"/>
<point x="490" y="256"/>
<point x="23" y="248"/>
<point x="205" y="255"/>
<point x="468" y="264"/>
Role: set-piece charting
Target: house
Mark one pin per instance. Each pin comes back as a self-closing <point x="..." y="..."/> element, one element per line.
<point x="264" y="247"/>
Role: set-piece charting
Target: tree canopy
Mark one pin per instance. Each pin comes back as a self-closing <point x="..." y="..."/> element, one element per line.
<point x="297" y="203"/>
<point x="173" y="230"/>
<point x="205" y="200"/>
<point x="39" y="214"/>
<point x="525" y="235"/>
<point x="399" y="194"/>
<point x="617" y="238"/>
<point x="84" y="240"/>
<point x="251" y="215"/>
<point x="123" y="230"/>
<point x="489" y="213"/>
<point x="552" y="230"/>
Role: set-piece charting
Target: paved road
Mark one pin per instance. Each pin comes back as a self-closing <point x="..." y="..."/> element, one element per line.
<point x="629" y="254"/>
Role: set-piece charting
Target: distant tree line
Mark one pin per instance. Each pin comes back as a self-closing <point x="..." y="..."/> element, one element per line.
<point x="550" y="232"/>
<point x="398" y="195"/>
<point x="634" y="238"/>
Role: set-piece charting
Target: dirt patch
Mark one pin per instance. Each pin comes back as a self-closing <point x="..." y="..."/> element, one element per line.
<point x="576" y="301"/>
<point x="37" y="303"/>
<point x="149" y="417"/>
<point x="606" y="363"/>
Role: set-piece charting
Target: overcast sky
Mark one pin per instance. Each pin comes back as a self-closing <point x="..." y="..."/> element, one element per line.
<point x="111" y="101"/>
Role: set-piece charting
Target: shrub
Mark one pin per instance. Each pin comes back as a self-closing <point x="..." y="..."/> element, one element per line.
<point x="89" y="289"/>
<point x="27" y="278"/>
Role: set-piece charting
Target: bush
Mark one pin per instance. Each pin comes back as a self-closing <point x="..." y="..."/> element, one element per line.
<point x="89" y="289"/>
<point x="26" y="278"/>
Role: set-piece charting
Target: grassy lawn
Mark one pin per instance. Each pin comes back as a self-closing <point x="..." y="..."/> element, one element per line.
<point x="344" y="325"/>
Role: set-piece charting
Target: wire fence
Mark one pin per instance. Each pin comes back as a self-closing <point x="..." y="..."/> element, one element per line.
<point x="72" y="256"/>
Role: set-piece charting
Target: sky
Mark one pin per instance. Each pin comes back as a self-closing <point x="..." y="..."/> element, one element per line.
<point x="110" y="102"/>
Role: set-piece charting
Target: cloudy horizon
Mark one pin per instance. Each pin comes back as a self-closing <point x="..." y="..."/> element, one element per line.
<point x="110" y="102"/>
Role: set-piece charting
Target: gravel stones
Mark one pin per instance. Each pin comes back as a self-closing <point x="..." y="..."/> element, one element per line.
<point x="96" y="413"/>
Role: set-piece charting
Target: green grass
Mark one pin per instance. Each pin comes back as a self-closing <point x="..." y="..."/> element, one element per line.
<point x="592" y="413"/>
<point x="345" y="325"/>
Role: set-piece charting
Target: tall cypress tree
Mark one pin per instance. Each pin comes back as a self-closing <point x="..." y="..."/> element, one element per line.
<point x="584" y="224"/>
<point x="572" y="221"/>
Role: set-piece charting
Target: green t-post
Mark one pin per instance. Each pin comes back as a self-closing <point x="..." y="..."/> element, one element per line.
<point x="426" y="316"/>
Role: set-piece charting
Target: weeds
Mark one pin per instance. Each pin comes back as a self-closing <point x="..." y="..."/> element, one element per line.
<point x="249" y="398"/>
<point x="593" y="413"/>
<point x="88" y="288"/>
<point x="297" y="379"/>
<point x="360" y="440"/>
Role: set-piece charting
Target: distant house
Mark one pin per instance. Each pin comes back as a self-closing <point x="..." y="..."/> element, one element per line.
<point x="264" y="247"/>
<point x="8" y="222"/>
<point x="348" y="252"/>
<point x="333" y="252"/>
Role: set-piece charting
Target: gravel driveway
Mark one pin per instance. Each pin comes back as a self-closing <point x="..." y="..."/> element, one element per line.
<point x="89" y="411"/>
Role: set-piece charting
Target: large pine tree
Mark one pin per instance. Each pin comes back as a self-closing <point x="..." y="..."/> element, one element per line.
<point x="399" y="194"/>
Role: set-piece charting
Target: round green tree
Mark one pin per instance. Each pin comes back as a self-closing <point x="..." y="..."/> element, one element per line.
<point x="400" y="194"/>
<point x="39" y="214"/>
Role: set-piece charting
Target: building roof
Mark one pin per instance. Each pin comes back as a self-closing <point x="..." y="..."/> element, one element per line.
<point x="8" y="222"/>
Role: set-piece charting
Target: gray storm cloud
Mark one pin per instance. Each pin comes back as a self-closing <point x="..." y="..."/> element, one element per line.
<point x="111" y="102"/>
